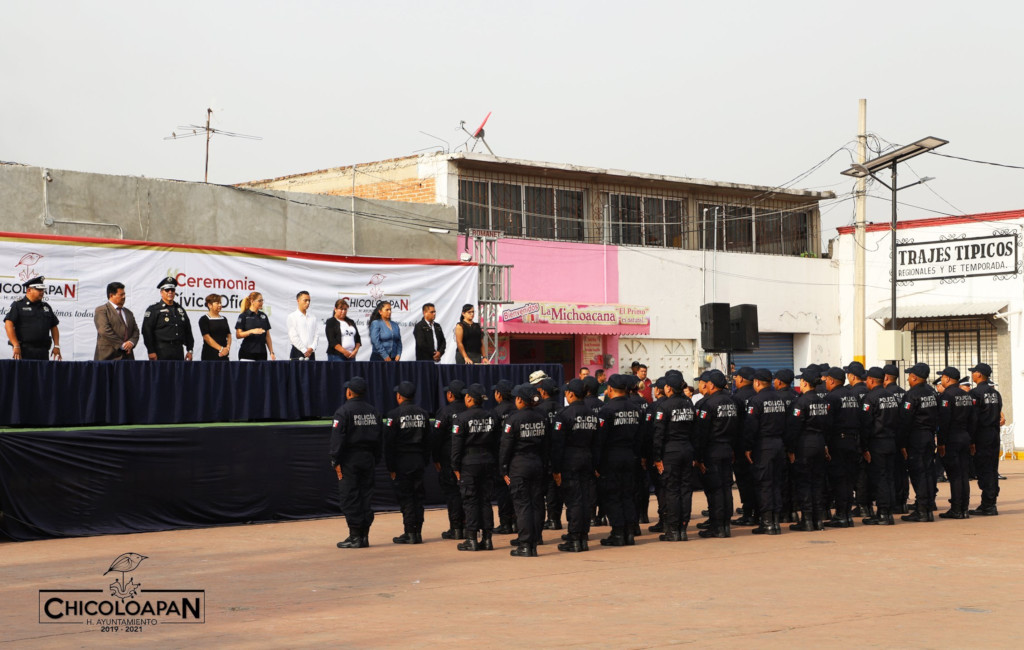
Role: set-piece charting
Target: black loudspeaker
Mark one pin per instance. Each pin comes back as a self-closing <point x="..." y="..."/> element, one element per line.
<point x="743" y="328"/>
<point x="714" y="327"/>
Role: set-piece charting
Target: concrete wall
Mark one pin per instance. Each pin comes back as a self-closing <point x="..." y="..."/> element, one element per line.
<point x="160" y="210"/>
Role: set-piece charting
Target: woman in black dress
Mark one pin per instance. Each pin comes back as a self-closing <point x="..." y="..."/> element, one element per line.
<point x="215" y="331"/>
<point x="253" y="329"/>
<point x="469" y="338"/>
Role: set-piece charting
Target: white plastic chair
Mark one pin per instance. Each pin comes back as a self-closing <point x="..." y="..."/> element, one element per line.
<point x="1006" y="443"/>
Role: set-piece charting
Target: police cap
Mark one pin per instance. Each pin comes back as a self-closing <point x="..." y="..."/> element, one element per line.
<point x="503" y="388"/>
<point x="785" y="376"/>
<point x="406" y="389"/>
<point x="526" y="392"/>
<point x="36" y="283"/>
<point x="455" y="387"/>
<point x="891" y="370"/>
<point x="717" y="378"/>
<point x="836" y="373"/>
<point x="983" y="368"/>
<point x="577" y="387"/>
<point x="167" y="283"/>
<point x="357" y="385"/>
<point x="875" y="372"/>
<point x="746" y="372"/>
<point x="477" y="392"/>
<point x="951" y="372"/>
<point x="920" y="370"/>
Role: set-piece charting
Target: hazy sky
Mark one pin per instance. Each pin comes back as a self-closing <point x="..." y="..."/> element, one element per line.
<point x="753" y="92"/>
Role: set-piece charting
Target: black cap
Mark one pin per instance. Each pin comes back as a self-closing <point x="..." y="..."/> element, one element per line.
<point x="167" y="283"/>
<point x="622" y="382"/>
<point x="357" y="385"/>
<point x="875" y="373"/>
<point x="836" y="373"/>
<point x="660" y="384"/>
<point x="455" y="387"/>
<point x="703" y="376"/>
<point x="525" y="392"/>
<point x="675" y="381"/>
<point x="577" y="387"/>
<point x="477" y="392"/>
<point x="856" y="368"/>
<point x="937" y="381"/>
<point x="717" y="378"/>
<point x="746" y="372"/>
<point x="673" y="371"/>
<point x="590" y="384"/>
<point x="763" y="374"/>
<point x="36" y="283"/>
<point x="810" y="373"/>
<point x="891" y="370"/>
<point x="951" y="372"/>
<point x="920" y="370"/>
<point x="549" y="385"/>
<point x="406" y="389"/>
<point x="785" y="376"/>
<point x="983" y="368"/>
<point x="503" y="387"/>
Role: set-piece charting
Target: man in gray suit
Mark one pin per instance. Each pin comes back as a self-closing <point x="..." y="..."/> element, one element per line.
<point x="117" y="333"/>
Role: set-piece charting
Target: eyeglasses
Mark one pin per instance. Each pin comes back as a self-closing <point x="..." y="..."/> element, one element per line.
<point x="171" y="290"/>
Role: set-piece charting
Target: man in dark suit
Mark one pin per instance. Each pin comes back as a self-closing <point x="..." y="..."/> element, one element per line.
<point x="430" y="342"/>
<point x="117" y="333"/>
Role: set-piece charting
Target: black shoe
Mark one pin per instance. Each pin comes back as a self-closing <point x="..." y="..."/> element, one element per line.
<point x="840" y="521"/>
<point x="719" y="533"/>
<point x="805" y="525"/>
<point x="551" y="524"/>
<point x="506" y="528"/>
<point x="355" y="541"/>
<point x="572" y="546"/>
<point x="949" y="514"/>
<point x="984" y="511"/>
<point x="404" y="538"/>
<point x="671" y="536"/>
<point x="919" y="515"/>
<point x="883" y="518"/>
<point x="855" y="512"/>
<point x="644" y="517"/>
<point x="765" y="526"/>
<point x="745" y="520"/>
<point x="657" y="528"/>
<point x="636" y="530"/>
<point x="704" y="525"/>
<point x="631" y="539"/>
<point x="524" y="550"/>
<point x="1000" y="477"/>
<point x="786" y="518"/>
<point x="454" y="533"/>
<point x="617" y="538"/>
<point x="705" y="513"/>
<point x="485" y="543"/>
<point x="470" y="544"/>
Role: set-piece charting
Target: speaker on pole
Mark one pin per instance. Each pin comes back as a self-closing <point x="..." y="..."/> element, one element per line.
<point x="714" y="327"/>
<point x="743" y="328"/>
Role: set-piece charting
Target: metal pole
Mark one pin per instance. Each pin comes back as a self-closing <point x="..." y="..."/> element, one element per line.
<point x="352" y="209"/>
<point x="714" y="261"/>
<point x="859" y="312"/>
<point x="892" y="323"/>
<point x="206" y="170"/>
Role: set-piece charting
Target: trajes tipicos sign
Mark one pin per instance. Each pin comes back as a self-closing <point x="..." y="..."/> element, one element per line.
<point x="944" y="259"/>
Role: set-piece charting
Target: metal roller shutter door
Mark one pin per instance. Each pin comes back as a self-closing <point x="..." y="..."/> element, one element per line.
<point x="775" y="353"/>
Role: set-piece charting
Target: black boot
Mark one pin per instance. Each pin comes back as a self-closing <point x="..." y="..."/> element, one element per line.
<point x="765" y="527"/>
<point x="553" y="524"/>
<point x="744" y="520"/>
<point x="357" y="538"/>
<point x="984" y="510"/>
<point x="404" y="538"/>
<point x="416" y="536"/>
<point x="506" y="528"/>
<point x="454" y="533"/>
<point x="671" y="535"/>
<point x="657" y="528"/>
<point x="486" y="544"/>
<point x="870" y="515"/>
<point x="714" y="531"/>
<point x="819" y="520"/>
<point x="616" y="538"/>
<point x="470" y="544"/>
<point x="704" y="525"/>
<point x="921" y="513"/>
<point x="805" y="523"/>
<point x="682" y="531"/>
<point x="630" y="535"/>
<point x="776" y="528"/>
<point x="574" y="544"/>
<point x="524" y="550"/>
<point x="883" y="518"/>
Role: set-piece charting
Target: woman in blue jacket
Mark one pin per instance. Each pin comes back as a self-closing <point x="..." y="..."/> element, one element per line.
<point x="385" y="335"/>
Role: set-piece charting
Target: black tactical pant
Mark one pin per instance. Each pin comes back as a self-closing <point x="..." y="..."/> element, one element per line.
<point x="452" y="496"/>
<point x="576" y="489"/>
<point x="677" y="490"/>
<point x="843" y="470"/>
<point x="506" y="510"/>
<point x="769" y="463"/>
<point x="618" y="493"/>
<point x="409" y="491"/>
<point x="957" y="462"/>
<point x="882" y="471"/>
<point x="746" y="484"/>
<point x="553" y="500"/>
<point x="809" y="472"/>
<point x="476" y="484"/>
<point x="526" y="484"/>
<point x="921" y="466"/>
<point x="718" y="487"/>
<point x="986" y="462"/>
<point x="355" y="490"/>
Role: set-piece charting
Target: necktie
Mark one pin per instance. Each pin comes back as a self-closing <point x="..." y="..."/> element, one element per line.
<point x="124" y="321"/>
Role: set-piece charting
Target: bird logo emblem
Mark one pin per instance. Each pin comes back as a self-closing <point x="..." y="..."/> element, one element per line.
<point x="375" y="289"/>
<point x="123" y="564"/>
<point x="28" y="260"/>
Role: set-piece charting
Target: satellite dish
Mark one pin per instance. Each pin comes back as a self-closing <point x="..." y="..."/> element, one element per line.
<point x="478" y="135"/>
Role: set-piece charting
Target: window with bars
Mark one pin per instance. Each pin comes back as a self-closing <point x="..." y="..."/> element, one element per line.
<point x="521" y="210"/>
<point x="646" y="221"/>
<point x="961" y="343"/>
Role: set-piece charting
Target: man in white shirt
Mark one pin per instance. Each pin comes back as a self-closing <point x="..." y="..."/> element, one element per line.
<point x="303" y="330"/>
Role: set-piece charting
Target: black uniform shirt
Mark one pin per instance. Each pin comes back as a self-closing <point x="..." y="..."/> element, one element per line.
<point x="32" y="322"/>
<point x="766" y="417"/>
<point x="845" y="407"/>
<point x="956" y="415"/>
<point x="442" y="442"/>
<point x="254" y="343"/>
<point x="594" y="403"/>
<point x="166" y="326"/>
<point x="988" y="404"/>
<point x="406" y="432"/>
<point x="809" y="419"/>
<point x="718" y="426"/>
<point x="919" y="413"/>
<point x="356" y="428"/>
<point x="525" y="434"/>
<point x="473" y="434"/>
<point x="574" y="438"/>
<point x="620" y="438"/>
<point x="879" y="417"/>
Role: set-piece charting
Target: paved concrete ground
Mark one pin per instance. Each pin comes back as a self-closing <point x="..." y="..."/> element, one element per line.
<point x="947" y="584"/>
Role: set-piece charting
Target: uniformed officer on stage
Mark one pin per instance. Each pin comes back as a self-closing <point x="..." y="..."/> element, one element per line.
<point x="956" y="413"/>
<point x="406" y="453"/>
<point x="166" y="328"/>
<point x="988" y="417"/>
<point x="356" y="441"/>
<point x="919" y="420"/>
<point x="31" y="323"/>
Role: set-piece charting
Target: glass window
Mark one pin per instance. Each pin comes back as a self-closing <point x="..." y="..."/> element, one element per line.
<point x="540" y="212"/>
<point x="473" y="205"/>
<point x="507" y="209"/>
<point x="569" y="224"/>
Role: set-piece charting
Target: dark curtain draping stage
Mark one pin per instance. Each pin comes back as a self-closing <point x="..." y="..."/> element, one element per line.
<point x="105" y="393"/>
<point x="165" y="469"/>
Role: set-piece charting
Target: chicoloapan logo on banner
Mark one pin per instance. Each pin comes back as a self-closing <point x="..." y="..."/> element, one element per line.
<point x="364" y="303"/>
<point x="12" y="287"/>
<point x="124" y="606"/>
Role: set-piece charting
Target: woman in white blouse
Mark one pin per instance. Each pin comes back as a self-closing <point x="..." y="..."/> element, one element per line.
<point x="342" y="336"/>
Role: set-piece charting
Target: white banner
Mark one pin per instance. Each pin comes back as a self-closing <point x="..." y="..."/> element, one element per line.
<point x="77" y="272"/>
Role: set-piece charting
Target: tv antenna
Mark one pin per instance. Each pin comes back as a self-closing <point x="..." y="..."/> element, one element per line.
<point x="478" y="135"/>
<point x="193" y="130"/>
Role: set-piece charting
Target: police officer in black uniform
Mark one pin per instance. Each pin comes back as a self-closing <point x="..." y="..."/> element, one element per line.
<point x="988" y="417"/>
<point x="619" y="441"/>
<point x="718" y="426"/>
<point x="783" y="383"/>
<point x="764" y="426"/>
<point x="956" y="421"/>
<point x="573" y="443"/>
<point x="672" y="453"/>
<point x="441" y="449"/>
<point x="902" y="480"/>
<point x="856" y="375"/>
<point x="549" y="405"/>
<point x="504" y="404"/>
<point x="591" y="399"/>
<point x="919" y="421"/>
<point x="406" y="453"/>
<point x="745" y="481"/>
<point x="809" y="420"/>
<point x="879" y="432"/>
<point x="31" y="323"/>
<point x="166" y="327"/>
<point x="474" y="459"/>
<point x="843" y="441"/>
<point x="523" y="457"/>
<point x="356" y="446"/>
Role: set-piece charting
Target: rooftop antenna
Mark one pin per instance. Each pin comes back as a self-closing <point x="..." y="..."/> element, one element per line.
<point x="478" y="135"/>
<point x="193" y="130"/>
